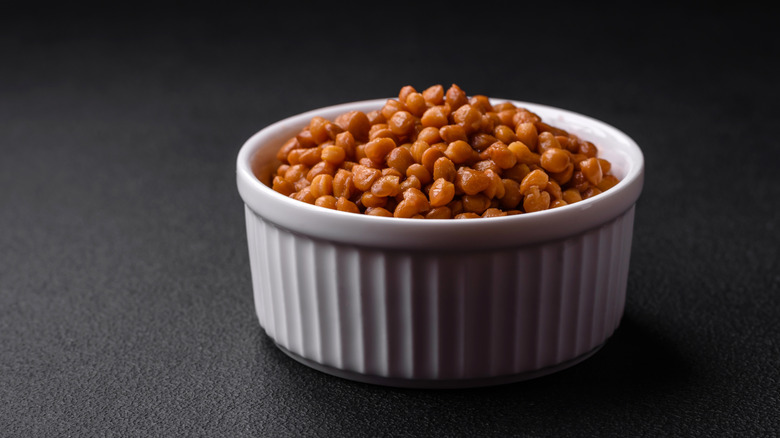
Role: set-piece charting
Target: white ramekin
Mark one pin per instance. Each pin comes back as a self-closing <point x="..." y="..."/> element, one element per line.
<point x="440" y="303"/>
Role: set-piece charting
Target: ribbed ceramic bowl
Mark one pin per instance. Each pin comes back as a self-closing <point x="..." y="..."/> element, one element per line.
<point x="440" y="303"/>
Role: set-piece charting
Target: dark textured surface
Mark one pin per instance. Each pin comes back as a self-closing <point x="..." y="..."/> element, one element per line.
<point x="125" y="296"/>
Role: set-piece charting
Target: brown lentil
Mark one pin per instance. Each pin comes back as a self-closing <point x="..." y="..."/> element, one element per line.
<point x="537" y="178"/>
<point x="444" y="168"/>
<point x="459" y="151"/>
<point x="363" y="177"/>
<point x="333" y="154"/>
<point x="470" y="181"/>
<point x="344" y="204"/>
<point x="493" y="212"/>
<point x="571" y="196"/>
<point x="592" y="170"/>
<point x="386" y="185"/>
<point x="554" y="160"/>
<point x="434" y="95"/>
<point x="536" y="200"/>
<point x="441" y="192"/>
<point x="326" y="201"/>
<point x="439" y="213"/>
<point x="429" y="158"/>
<point x="429" y="135"/>
<point x="322" y="185"/>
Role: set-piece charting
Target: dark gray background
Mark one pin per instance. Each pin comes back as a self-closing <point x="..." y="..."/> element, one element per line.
<point x="125" y="295"/>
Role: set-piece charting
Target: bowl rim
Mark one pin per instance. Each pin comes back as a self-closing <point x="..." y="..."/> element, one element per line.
<point x="440" y="234"/>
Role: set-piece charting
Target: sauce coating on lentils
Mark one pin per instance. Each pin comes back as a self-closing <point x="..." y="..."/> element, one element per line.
<point x="439" y="154"/>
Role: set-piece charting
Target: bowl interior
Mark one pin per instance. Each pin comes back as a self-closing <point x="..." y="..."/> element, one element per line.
<point x="257" y="157"/>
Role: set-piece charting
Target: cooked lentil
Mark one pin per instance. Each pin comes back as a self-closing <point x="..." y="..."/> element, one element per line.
<point x="439" y="154"/>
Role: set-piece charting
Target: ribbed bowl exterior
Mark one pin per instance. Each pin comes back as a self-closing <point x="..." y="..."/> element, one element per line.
<point x="426" y="316"/>
<point x="439" y="303"/>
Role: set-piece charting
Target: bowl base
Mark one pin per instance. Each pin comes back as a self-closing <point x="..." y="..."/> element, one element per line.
<point x="440" y="383"/>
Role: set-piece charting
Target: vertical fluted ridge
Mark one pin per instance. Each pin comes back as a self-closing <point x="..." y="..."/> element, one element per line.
<point x="439" y="316"/>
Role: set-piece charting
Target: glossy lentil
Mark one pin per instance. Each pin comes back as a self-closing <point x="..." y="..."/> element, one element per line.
<point x="439" y="154"/>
